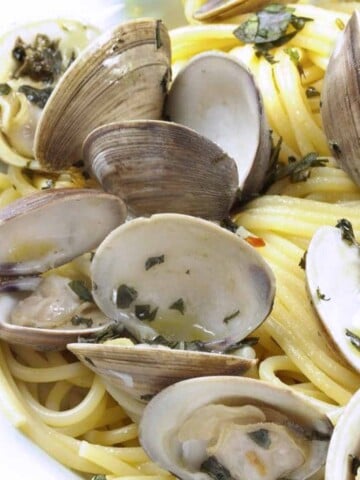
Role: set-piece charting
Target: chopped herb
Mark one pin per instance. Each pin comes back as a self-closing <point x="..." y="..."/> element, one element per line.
<point x="340" y="24"/>
<point x="89" y="361"/>
<point x="125" y="296"/>
<point x="271" y="27"/>
<point x="321" y="296"/>
<point x="215" y="470"/>
<point x="111" y="331"/>
<point x="296" y="170"/>
<point x="98" y="477"/>
<point x="5" y="89"/>
<point x="230" y="317"/>
<point x="311" y="92"/>
<point x="92" y="255"/>
<point x="354" y="464"/>
<point x="158" y="34"/>
<point x="37" y="96"/>
<point x="152" y="261"/>
<point x="147" y="397"/>
<point x="229" y="225"/>
<point x="144" y="312"/>
<point x="178" y="305"/>
<point x="261" y="437"/>
<point x="354" y="339"/>
<point x="41" y="61"/>
<point x="295" y="58"/>
<point x="347" y="232"/>
<point x="164" y="84"/>
<point x="81" y="290"/>
<point x="187" y="272"/>
<point x="247" y="342"/>
<point x="77" y="320"/>
<point x="302" y="263"/>
<point x="335" y="147"/>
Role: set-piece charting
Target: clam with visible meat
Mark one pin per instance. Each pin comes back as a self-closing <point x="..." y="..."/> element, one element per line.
<point x="234" y="428"/>
<point x="38" y="233"/>
<point x="175" y="279"/>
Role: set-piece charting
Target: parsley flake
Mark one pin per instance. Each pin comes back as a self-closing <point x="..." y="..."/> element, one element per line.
<point x="152" y="261"/>
<point x="81" y="290"/>
<point x="179" y="305"/>
<point x="125" y="296"/>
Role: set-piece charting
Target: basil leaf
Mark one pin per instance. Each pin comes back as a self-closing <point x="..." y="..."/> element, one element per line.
<point x="179" y="305"/>
<point x="125" y="296"/>
<point x="37" y="96"/>
<point x="152" y="261"/>
<point x="215" y="469"/>
<point x="261" y="437"/>
<point x="81" y="290"/>
<point x="144" y="312"/>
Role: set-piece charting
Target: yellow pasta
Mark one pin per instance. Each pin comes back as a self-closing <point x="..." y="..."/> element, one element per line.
<point x="64" y="407"/>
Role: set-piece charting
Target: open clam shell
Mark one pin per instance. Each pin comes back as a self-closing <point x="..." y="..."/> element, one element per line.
<point x="122" y="75"/>
<point x="236" y="426"/>
<point x="162" y="167"/>
<point x="50" y="228"/>
<point x="332" y="274"/>
<point x="143" y="371"/>
<point x="227" y="109"/>
<point x="181" y="277"/>
<point x="40" y="232"/>
<point x="344" y="449"/>
<point x="340" y="102"/>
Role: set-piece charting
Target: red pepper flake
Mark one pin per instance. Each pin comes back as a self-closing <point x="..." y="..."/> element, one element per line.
<point x="255" y="241"/>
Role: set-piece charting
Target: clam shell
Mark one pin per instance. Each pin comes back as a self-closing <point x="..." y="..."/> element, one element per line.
<point x="50" y="228"/>
<point x="345" y="442"/>
<point x="227" y="109"/>
<point x="143" y="371"/>
<point x="181" y="277"/>
<point x="340" y="101"/>
<point x="162" y="167"/>
<point x="158" y="430"/>
<point x="122" y="75"/>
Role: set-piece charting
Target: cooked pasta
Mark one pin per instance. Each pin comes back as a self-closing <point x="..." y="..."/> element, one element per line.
<point x="52" y="396"/>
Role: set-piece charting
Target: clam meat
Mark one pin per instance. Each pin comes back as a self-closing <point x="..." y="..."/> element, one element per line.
<point x="234" y="428"/>
<point x="332" y="274"/>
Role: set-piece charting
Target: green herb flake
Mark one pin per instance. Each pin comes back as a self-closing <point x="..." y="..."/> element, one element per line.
<point x="321" y="296"/>
<point x="81" y="290"/>
<point x="295" y="58"/>
<point x="247" y="342"/>
<point x="335" y="147"/>
<point x="179" y="305"/>
<point x="144" y="312"/>
<point x="40" y="61"/>
<point x="77" y="320"/>
<point x="311" y="92"/>
<point x="5" y="89"/>
<point x="147" y="397"/>
<point x="261" y="437"/>
<point x="215" y="469"/>
<point x="340" y="24"/>
<point x="125" y="296"/>
<point x="302" y="263"/>
<point x="37" y="96"/>
<point x="231" y="316"/>
<point x="354" y="464"/>
<point x="347" y="232"/>
<point x="152" y="261"/>
<point x="271" y="27"/>
<point x="295" y="170"/>
<point x="229" y="224"/>
<point x="109" y="332"/>
<point x="98" y="477"/>
<point x="354" y="339"/>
